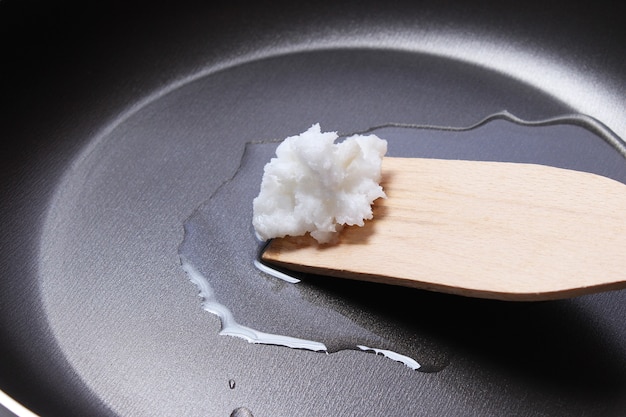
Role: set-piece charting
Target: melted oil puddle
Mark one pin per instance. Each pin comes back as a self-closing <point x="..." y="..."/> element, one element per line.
<point x="220" y="253"/>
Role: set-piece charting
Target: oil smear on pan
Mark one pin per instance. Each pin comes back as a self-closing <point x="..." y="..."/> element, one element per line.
<point x="220" y="253"/>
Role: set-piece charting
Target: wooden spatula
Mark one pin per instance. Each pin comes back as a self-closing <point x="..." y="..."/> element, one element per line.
<point x="497" y="230"/>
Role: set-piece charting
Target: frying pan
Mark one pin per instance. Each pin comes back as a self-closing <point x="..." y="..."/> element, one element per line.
<point x="118" y="120"/>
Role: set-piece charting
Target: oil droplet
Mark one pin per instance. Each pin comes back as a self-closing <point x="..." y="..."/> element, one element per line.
<point x="221" y="254"/>
<point x="241" y="412"/>
<point x="231" y="383"/>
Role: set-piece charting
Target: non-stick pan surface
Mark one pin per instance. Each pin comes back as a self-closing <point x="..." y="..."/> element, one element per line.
<point x="117" y="121"/>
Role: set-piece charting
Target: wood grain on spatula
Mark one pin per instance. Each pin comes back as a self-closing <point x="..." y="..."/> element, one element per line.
<point x="497" y="230"/>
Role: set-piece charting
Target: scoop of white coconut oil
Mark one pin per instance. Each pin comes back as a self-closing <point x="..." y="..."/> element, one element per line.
<point x="317" y="185"/>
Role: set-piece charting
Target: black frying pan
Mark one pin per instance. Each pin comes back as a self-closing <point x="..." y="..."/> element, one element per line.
<point x="119" y="120"/>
